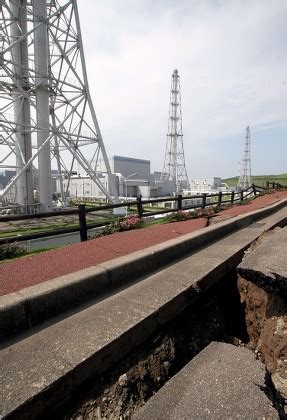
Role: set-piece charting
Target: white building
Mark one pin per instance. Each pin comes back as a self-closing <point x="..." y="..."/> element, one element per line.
<point x="198" y="186"/>
<point x="132" y="178"/>
<point x="205" y="184"/>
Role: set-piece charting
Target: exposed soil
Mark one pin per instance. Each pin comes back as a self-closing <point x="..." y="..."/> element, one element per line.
<point x="266" y="323"/>
<point x="265" y="312"/>
<point x="128" y="385"/>
<point x="235" y="310"/>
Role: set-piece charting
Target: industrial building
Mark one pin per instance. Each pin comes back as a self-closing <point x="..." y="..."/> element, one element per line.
<point x="132" y="178"/>
<point x="211" y="184"/>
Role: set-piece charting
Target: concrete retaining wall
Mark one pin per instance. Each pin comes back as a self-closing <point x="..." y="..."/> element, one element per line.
<point x="29" y="307"/>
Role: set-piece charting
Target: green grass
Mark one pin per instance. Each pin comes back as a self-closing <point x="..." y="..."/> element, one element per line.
<point x="259" y="180"/>
<point x="87" y="203"/>
<point x="25" y="231"/>
<point x="27" y="253"/>
<point x="49" y="227"/>
<point x="215" y="199"/>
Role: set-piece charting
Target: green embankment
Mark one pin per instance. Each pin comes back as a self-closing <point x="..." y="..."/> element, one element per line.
<point x="259" y="180"/>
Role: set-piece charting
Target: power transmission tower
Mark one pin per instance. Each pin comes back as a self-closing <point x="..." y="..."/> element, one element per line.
<point x="174" y="163"/>
<point x="47" y="118"/>
<point x="244" y="180"/>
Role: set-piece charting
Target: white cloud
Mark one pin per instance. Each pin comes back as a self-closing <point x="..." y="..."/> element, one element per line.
<point x="231" y="57"/>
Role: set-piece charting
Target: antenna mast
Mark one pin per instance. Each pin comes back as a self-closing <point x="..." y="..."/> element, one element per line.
<point x="174" y="164"/>
<point x="245" y="166"/>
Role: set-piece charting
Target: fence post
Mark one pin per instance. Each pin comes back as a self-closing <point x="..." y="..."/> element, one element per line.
<point x="273" y="185"/>
<point x="254" y="190"/>
<point x="219" y="198"/>
<point x="203" y="200"/>
<point x="267" y="185"/>
<point x="139" y="206"/>
<point x="241" y="195"/>
<point x="232" y="197"/>
<point x="179" y="202"/>
<point x="83" y="222"/>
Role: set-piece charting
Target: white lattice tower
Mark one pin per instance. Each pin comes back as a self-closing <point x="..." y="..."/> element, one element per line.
<point x="244" y="180"/>
<point x="174" y="163"/>
<point x="47" y="118"/>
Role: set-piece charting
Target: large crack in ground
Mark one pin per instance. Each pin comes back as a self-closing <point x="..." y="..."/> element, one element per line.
<point x="127" y="386"/>
<point x="221" y="314"/>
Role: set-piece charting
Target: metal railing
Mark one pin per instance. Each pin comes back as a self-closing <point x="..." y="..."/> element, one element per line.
<point x="233" y="197"/>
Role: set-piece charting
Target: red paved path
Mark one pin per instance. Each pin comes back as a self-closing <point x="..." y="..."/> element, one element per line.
<point x="31" y="270"/>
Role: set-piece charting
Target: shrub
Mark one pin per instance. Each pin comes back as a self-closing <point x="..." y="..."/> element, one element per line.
<point x="131" y="222"/>
<point x="8" y="251"/>
<point x="242" y="203"/>
<point x="179" y="216"/>
<point x="128" y="223"/>
<point x="218" y="208"/>
<point x="109" y="229"/>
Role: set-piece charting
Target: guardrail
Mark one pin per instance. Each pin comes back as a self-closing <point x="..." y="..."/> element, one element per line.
<point x="82" y="211"/>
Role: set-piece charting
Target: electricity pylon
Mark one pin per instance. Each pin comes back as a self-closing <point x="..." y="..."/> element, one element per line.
<point x="244" y="180"/>
<point x="174" y="163"/>
<point x="47" y="118"/>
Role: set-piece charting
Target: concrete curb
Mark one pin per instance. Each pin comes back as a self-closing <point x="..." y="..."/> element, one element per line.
<point x="29" y="307"/>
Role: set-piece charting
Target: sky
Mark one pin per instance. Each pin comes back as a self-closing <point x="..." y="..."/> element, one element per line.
<point x="232" y="60"/>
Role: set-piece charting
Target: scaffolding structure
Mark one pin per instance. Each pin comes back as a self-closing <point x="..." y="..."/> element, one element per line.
<point x="47" y="118"/>
<point x="174" y="163"/>
<point x="244" y="180"/>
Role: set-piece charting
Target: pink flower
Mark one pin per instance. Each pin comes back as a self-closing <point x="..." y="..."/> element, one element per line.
<point x="130" y="222"/>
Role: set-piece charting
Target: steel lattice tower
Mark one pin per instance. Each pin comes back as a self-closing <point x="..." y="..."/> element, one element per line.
<point x="244" y="180"/>
<point x="174" y="163"/>
<point x="47" y="118"/>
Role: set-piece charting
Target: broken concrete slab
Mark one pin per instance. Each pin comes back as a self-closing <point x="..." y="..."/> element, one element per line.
<point x="266" y="264"/>
<point x="221" y="382"/>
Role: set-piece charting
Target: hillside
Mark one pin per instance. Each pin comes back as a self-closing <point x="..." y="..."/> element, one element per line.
<point x="259" y="180"/>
